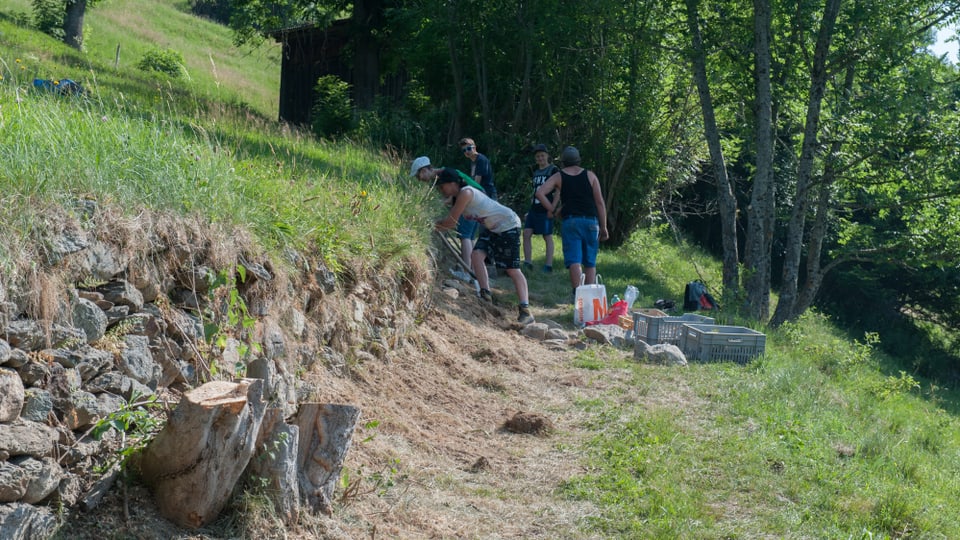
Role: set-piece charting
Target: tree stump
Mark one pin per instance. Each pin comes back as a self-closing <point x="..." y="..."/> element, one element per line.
<point x="196" y="460"/>
<point x="275" y="462"/>
<point x="325" y="433"/>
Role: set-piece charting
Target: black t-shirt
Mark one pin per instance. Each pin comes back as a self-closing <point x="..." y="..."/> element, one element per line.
<point x="540" y="177"/>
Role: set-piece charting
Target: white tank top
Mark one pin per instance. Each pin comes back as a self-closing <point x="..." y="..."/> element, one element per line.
<point x="489" y="213"/>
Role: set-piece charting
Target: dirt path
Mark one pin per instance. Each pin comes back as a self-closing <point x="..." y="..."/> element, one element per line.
<point x="442" y="402"/>
<point x="432" y="458"/>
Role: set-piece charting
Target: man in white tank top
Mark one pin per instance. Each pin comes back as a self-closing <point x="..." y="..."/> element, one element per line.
<point x="499" y="238"/>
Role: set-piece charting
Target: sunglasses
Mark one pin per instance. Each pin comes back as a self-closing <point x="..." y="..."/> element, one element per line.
<point x="467" y="149"/>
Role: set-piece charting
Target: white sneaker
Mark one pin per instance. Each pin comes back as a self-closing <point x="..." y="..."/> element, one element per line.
<point x="461" y="275"/>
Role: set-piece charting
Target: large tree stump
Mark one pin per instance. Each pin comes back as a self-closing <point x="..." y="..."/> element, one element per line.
<point x="325" y="433"/>
<point x="275" y="462"/>
<point x="195" y="461"/>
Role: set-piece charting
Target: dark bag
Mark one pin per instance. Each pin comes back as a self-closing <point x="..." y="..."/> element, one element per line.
<point x="696" y="297"/>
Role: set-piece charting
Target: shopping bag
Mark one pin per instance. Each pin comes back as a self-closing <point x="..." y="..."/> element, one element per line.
<point x="617" y="310"/>
<point x="589" y="302"/>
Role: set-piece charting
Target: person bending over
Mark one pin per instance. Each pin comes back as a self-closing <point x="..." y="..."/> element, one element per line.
<point x="499" y="238"/>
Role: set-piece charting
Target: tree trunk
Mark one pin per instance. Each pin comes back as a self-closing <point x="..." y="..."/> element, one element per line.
<point x="480" y="66"/>
<point x="526" y="48"/>
<point x="73" y="23"/>
<point x="275" y="462"/>
<point x="824" y="207"/>
<point x="795" y="231"/>
<point x="760" y="215"/>
<point x="726" y="196"/>
<point x="455" y="74"/>
<point x="195" y="461"/>
<point x="325" y="433"/>
<point x="367" y="20"/>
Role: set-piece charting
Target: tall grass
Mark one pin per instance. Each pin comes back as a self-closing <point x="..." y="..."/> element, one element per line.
<point x="159" y="145"/>
<point x="817" y="439"/>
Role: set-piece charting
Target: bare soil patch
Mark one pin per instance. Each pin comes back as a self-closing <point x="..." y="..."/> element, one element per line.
<point x="468" y="429"/>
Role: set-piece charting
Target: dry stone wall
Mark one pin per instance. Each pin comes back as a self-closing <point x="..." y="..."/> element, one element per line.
<point x="137" y="333"/>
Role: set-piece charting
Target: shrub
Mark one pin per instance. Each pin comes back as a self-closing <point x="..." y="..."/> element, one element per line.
<point x="48" y="17"/>
<point x="332" y="112"/>
<point x="166" y="61"/>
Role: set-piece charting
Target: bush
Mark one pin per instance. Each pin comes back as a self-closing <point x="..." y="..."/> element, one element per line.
<point x="166" y="61"/>
<point x="332" y="112"/>
<point x="48" y="17"/>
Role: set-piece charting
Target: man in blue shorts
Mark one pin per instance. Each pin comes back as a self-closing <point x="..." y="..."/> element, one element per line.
<point x="584" y="214"/>
<point x="537" y="221"/>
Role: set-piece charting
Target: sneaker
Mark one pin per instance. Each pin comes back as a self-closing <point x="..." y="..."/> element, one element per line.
<point x="461" y="275"/>
<point x="525" y="317"/>
<point x="547" y="269"/>
<point x="486" y="295"/>
<point x="527" y="265"/>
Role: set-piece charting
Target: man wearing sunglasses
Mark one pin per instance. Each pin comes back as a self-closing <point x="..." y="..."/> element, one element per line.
<point x="480" y="168"/>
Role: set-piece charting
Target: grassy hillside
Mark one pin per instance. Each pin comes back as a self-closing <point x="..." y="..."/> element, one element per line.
<point x="119" y="32"/>
<point x="821" y="438"/>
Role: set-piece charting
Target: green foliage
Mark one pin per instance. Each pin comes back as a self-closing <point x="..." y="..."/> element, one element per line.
<point x="137" y="423"/>
<point x="48" y="17"/>
<point x="166" y="61"/>
<point x="228" y="317"/>
<point x="332" y="112"/>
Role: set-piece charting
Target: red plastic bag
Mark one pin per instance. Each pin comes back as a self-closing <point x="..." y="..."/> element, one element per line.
<point x="613" y="314"/>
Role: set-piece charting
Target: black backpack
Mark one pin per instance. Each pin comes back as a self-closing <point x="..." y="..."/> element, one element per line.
<point x="696" y="297"/>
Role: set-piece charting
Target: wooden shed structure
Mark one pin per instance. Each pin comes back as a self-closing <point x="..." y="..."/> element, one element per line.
<point x="308" y="53"/>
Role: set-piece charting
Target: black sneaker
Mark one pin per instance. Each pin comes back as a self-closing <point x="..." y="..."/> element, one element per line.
<point x="486" y="295"/>
<point x="527" y="265"/>
<point x="524" y="317"/>
<point x="547" y="269"/>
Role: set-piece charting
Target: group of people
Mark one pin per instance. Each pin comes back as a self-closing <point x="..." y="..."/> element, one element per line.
<point x="570" y="192"/>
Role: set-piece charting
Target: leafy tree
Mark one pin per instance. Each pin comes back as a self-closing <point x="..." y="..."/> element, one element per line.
<point x="62" y="19"/>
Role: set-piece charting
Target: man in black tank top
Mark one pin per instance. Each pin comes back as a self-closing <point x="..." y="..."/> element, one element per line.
<point x="584" y="214"/>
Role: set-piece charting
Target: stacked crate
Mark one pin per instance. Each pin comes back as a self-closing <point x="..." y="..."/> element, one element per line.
<point x="713" y="343"/>
<point x="655" y="327"/>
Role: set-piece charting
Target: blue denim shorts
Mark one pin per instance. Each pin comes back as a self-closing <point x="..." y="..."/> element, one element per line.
<point x="466" y="228"/>
<point x="581" y="241"/>
<point x="539" y="222"/>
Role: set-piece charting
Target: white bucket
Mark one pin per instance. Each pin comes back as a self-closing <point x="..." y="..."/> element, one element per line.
<point x="590" y="302"/>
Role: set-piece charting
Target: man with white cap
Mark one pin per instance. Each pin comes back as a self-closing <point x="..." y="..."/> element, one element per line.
<point x="466" y="230"/>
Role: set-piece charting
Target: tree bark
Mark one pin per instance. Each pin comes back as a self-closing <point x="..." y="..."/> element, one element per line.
<point x="824" y="211"/>
<point x="725" y="193"/>
<point x="195" y="461"/>
<point x="457" y="125"/>
<point x="795" y="231"/>
<point x="367" y="21"/>
<point x="275" y="462"/>
<point x="760" y="214"/>
<point x="73" y="23"/>
<point x="325" y="433"/>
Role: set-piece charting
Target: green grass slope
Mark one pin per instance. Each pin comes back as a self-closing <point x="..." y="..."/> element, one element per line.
<point x="820" y="438"/>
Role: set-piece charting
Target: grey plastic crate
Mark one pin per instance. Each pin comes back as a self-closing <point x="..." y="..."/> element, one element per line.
<point x="654" y="326"/>
<point x="714" y="343"/>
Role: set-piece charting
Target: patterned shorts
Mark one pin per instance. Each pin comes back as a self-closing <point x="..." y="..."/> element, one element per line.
<point x="503" y="248"/>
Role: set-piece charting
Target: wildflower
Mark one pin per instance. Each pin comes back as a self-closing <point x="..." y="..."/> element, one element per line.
<point x="363" y="193"/>
<point x="18" y="60"/>
<point x="56" y="83"/>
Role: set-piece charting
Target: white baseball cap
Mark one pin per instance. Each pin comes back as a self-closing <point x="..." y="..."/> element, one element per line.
<point x="419" y="163"/>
